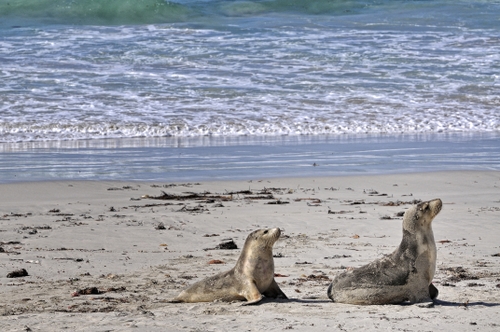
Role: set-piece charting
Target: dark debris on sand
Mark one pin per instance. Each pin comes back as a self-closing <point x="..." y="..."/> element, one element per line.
<point x="18" y="274"/>
<point x="227" y="244"/>
<point x="208" y="197"/>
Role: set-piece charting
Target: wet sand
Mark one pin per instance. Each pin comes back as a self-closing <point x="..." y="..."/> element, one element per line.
<point x="245" y="158"/>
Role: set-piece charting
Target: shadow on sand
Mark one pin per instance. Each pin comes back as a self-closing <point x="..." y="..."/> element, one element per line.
<point x="436" y="302"/>
<point x="465" y="304"/>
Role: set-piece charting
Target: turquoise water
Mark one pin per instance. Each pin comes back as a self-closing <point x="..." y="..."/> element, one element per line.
<point x="126" y="12"/>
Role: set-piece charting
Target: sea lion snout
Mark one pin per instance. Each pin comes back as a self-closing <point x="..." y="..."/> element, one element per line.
<point x="276" y="231"/>
<point x="435" y="206"/>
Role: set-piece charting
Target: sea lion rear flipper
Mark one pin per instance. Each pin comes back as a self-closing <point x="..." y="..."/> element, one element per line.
<point x="174" y="301"/>
<point x="433" y="291"/>
<point x="274" y="291"/>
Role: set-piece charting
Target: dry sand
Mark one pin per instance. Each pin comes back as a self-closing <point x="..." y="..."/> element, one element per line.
<point x="134" y="253"/>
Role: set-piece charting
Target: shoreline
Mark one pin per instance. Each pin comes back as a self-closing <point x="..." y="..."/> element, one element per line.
<point x="244" y="158"/>
<point x="139" y="251"/>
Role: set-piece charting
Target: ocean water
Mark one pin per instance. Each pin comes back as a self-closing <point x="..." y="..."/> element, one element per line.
<point x="96" y="78"/>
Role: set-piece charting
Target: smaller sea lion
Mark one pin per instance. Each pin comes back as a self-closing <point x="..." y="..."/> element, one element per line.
<point x="250" y="279"/>
<point x="404" y="275"/>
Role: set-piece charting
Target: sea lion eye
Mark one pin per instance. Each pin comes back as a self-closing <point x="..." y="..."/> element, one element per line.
<point x="265" y="232"/>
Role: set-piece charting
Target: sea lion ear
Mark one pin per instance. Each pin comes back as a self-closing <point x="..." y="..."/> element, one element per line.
<point x="255" y="234"/>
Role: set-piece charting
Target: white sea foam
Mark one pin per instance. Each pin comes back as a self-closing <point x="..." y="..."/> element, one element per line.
<point x="244" y="78"/>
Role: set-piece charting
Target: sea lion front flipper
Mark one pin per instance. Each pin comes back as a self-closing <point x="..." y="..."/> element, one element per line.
<point x="274" y="291"/>
<point x="433" y="291"/>
<point x="251" y="293"/>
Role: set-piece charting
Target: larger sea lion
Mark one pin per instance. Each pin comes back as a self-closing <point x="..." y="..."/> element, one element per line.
<point x="404" y="275"/>
<point x="250" y="279"/>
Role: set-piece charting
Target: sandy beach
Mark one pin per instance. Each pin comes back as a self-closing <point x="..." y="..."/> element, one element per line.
<point x="107" y="256"/>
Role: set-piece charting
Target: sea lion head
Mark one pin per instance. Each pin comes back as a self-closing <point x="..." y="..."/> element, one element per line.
<point x="265" y="238"/>
<point x="421" y="215"/>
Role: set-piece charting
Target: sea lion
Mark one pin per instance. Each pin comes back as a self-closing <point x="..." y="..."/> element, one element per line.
<point x="250" y="279"/>
<point x="404" y="275"/>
